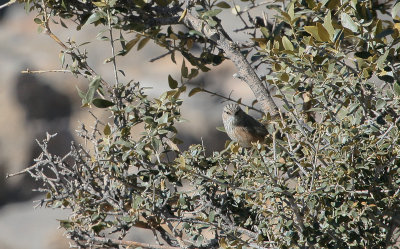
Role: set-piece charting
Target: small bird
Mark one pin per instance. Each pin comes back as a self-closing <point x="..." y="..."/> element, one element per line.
<point x="241" y="127"/>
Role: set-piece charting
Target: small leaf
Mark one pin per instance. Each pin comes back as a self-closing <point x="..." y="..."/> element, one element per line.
<point x="211" y="13"/>
<point x="323" y="33"/>
<point x="38" y="21"/>
<point x="397" y="88"/>
<point x="211" y="22"/>
<point x="223" y="5"/>
<point x="81" y="93"/>
<point x="163" y="119"/>
<point x="328" y="25"/>
<point x="183" y="15"/>
<point x="395" y="10"/>
<point x="381" y="61"/>
<point x="193" y="73"/>
<point x="348" y="23"/>
<point x="172" y="83"/>
<point x="287" y="44"/>
<point x="211" y="216"/>
<point x="184" y="70"/>
<point x="94" y="17"/>
<point x="107" y="130"/>
<point x="195" y="32"/>
<point x="194" y="91"/>
<point x="143" y="43"/>
<point x="62" y="58"/>
<point x="99" y="4"/>
<point x="221" y="128"/>
<point x="102" y="103"/>
<point x="265" y="32"/>
<point x="284" y="77"/>
<point x="313" y="31"/>
<point x="131" y="44"/>
<point x="93" y="86"/>
<point x="155" y="142"/>
<point x="66" y="224"/>
<point x="291" y="11"/>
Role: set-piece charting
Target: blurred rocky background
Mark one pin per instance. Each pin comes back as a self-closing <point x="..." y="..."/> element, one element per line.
<point x="33" y="104"/>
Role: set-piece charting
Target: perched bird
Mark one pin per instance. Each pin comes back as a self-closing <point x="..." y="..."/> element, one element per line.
<point x="241" y="127"/>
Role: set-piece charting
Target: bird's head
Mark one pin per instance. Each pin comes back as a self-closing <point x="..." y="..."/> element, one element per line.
<point x="231" y="111"/>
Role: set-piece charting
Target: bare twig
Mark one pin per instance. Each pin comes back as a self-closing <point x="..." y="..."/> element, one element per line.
<point x="160" y="56"/>
<point x="82" y="63"/>
<point x="116" y="242"/>
<point x="8" y="4"/>
<point x="47" y="71"/>
<point x="229" y="99"/>
<point x="110" y="29"/>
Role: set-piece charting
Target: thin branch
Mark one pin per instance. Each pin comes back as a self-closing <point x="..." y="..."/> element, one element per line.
<point x="229" y="99"/>
<point x="8" y="4"/>
<point x="112" y="47"/>
<point x="82" y="62"/>
<point x="46" y="71"/>
<point x="115" y="242"/>
<point x="160" y="56"/>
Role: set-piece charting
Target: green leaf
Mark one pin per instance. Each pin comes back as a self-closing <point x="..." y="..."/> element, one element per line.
<point x="313" y="31"/>
<point x="131" y="44"/>
<point x="66" y="224"/>
<point x="194" y="91"/>
<point x="172" y="83"/>
<point x="220" y="128"/>
<point x="323" y="33"/>
<point x="211" y="13"/>
<point x="38" y="21"/>
<point x="102" y="103"/>
<point x="193" y="73"/>
<point x="195" y="32"/>
<point x="381" y="60"/>
<point x="348" y="23"/>
<point x="265" y="32"/>
<point x="143" y="43"/>
<point x="93" y="86"/>
<point x="107" y="130"/>
<point x="223" y="5"/>
<point x="395" y="10"/>
<point x="184" y="70"/>
<point x="95" y="17"/>
<point x="396" y="88"/>
<point x="80" y="93"/>
<point x="380" y="104"/>
<point x="99" y="4"/>
<point x="155" y="142"/>
<point x="211" y="216"/>
<point x="311" y="4"/>
<point x="328" y="25"/>
<point x="163" y="119"/>
<point x="291" y="11"/>
<point x="284" y="77"/>
<point x="287" y="44"/>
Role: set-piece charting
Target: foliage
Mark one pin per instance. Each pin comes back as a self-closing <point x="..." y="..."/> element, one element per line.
<point x="328" y="173"/>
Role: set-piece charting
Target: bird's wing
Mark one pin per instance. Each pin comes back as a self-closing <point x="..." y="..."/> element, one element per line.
<point x="257" y="127"/>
